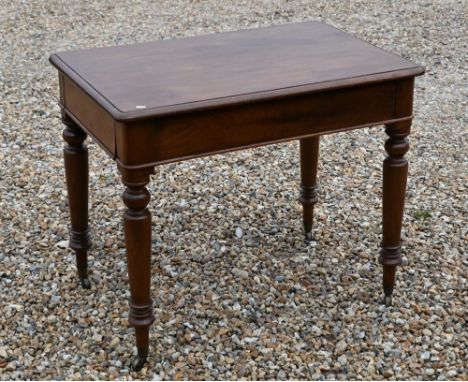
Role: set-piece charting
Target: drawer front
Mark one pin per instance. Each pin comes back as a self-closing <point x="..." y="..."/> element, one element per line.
<point x="170" y="139"/>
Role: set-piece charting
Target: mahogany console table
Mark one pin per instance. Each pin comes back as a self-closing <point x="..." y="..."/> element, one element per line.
<point x="160" y="102"/>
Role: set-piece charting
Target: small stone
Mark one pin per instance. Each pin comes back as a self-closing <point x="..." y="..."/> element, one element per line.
<point x="429" y="371"/>
<point x="171" y="272"/>
<point x="62" y="244"/>
<point x="191" y="359"/>
<point x="16" y="306"/>
<point x="179" y="375"/>
<point x="115" y="342"/>
<point x="52" y="319"/>
<point x="316" y="330"/>
<point x="10" y="366"/>
<point x="97" y="337"/>
<point x="281" y="375"/>
<point x="342" y="360"/>
<point x="387" y="372"/>
<point x="66" y="357"/>
<point x="223" y="331"/>
<point x="425" y="355"/>
<point x="242" y="274"/>
<point x="239" y="232"/>
<point x="341" y="347"/>
<point x="175" y="356"/>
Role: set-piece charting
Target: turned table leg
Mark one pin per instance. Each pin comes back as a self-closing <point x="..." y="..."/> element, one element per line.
<point x="137" y="225"/>
<point x="76" y="171"/>
<point x="395" y="170"/>
<point x="309" y="148"/>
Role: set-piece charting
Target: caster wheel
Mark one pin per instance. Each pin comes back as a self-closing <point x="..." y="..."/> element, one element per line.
<point x="308" y="237"/>
<point x="85" y="283"/>
<point x="388" y="300"/>
<point x="138" y="363"/>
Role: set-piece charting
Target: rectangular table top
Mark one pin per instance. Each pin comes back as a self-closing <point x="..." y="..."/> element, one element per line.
<point x="174" y="76"/>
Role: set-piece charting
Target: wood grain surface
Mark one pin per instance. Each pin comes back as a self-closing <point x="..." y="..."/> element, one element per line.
<point x="173" y="76"/>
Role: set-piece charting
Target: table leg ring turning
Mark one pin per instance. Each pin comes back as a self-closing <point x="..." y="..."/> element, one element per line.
<point x="76" y="170"/>
<point x="395" y="171"/>
<point x="137" y="225"/>
<point x="309" y="153"/>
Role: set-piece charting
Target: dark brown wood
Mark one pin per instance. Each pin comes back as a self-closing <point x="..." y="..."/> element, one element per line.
<point x="175" y="138"/>
<point x="167" y="101"/>
<point x="137" y="226"/>
<point x="175" y="76"/>
<point x="395" y="172"/>
<point x="89" y="115"/>
<point x="76" y="171"/>
<point x="309" y="153"/>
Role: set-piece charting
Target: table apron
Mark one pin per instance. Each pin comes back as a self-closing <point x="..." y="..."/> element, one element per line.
<point x="88" y="114"/>
<point x="175" y="138"/>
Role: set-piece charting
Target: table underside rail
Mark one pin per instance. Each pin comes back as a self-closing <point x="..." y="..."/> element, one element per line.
<point x="166" y="139"/>
<point x="175" y="138"/>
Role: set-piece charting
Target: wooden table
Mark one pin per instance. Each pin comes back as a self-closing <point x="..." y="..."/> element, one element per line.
<point x="160" y="102"/>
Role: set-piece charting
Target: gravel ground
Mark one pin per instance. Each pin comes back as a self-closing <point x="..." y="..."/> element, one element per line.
<point x="256" y="305"/>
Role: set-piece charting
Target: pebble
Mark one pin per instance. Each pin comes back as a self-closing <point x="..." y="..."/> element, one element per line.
<point x="97" y="337"/>
<point x="429" y="371"/>
<point x="343" y="360"/>
<point x="425" y="355"/>
<point x="341" y="347"/>
<point x="3" y="352"/>
<point x="387" y="372"/>
<point x="115" y="341"/>
<point x="281" y="375"/>
<point x="62" y="244"/>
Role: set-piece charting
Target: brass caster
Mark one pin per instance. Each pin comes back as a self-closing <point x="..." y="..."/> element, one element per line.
<point x="388" y="300"/>
<point x="309" y="237"/>
<point x="138" y="362"/>
<point x="85" y="283"/>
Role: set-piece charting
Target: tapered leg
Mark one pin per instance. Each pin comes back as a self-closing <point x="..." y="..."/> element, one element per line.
<point x="395" y="170"/>
<point x="76" y="171"/>
<point x="309" y="148"/>
<point x="137" y="225"/>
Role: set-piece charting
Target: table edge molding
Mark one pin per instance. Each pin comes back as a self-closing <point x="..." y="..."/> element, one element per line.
<point x="228" y="101"/>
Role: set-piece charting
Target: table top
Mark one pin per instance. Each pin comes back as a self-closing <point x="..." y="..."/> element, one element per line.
<point x="175" y="76"/>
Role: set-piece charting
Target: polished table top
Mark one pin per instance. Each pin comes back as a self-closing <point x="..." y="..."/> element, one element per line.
<point x="173" y="76"/>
